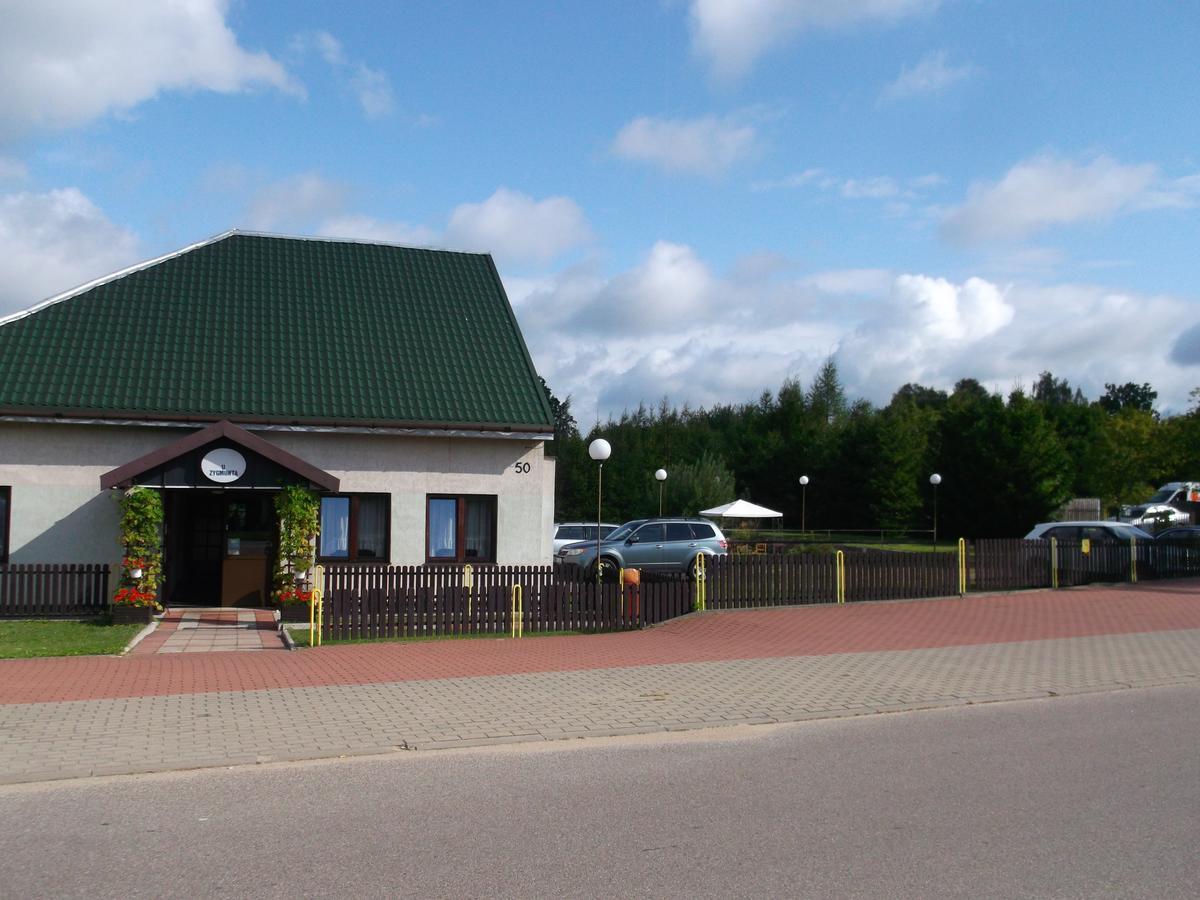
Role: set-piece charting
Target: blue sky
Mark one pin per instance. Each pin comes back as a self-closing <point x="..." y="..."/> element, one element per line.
<point x="690" y="199"/>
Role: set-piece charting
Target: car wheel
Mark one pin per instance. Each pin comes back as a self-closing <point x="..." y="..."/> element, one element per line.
<point x="609" y="570"/>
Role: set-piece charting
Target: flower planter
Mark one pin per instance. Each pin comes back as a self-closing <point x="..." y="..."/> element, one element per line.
<point x="124" y="614"/>
<point x="294" y="612"/>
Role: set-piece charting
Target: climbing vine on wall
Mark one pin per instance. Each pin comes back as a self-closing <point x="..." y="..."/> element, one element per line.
<point x="298" y="510"/>
<point x="141" y="536"/>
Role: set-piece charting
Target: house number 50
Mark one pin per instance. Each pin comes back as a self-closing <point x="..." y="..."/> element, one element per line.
<point x="521" y="468"/>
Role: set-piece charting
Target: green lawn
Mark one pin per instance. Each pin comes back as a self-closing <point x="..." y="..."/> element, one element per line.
<point x="820" y="541"/>
<point x="25" y="639"/>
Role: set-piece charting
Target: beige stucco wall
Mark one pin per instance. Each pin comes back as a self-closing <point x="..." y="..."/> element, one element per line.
<point x="59" y="513"/>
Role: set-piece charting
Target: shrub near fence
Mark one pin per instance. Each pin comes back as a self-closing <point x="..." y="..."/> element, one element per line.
<point x="53" y="591"/>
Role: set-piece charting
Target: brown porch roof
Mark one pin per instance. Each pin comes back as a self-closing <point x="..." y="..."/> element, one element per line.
<point x="124" y="476"/>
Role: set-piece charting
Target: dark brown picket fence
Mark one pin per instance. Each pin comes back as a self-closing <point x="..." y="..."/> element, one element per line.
<point x="888" y="575"/>
<point x="1174" y="559"/>
<point x="1003" y="564"/>
<point x="1000" y="565"/>
<point x="50" y="591"/>
<point x="364" y="602"/>
<point x="741" y="582"/>
<point x="416" y="601"/>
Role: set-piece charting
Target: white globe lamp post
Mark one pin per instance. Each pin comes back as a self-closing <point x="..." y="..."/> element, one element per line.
<point x="661" y="476"/>
<point x="935" y="479"/>
<point x="599" y="450"/>
<point x="803" y="500"/>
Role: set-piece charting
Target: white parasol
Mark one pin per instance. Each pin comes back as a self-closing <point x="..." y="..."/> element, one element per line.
<point x="741" y="509"/>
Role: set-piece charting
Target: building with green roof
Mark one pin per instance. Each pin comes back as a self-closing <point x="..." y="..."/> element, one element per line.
<point x="393" y="382"/>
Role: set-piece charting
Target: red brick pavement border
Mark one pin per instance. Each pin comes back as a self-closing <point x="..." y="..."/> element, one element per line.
<point x="753" y="634"/>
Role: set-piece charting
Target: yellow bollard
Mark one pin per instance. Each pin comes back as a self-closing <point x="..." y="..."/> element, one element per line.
<point x="518" y="611"/>
<point x="699" y="570"/>
<point x="962" y="567"/>
<point x="1133" y="560"/>
<point x="316" y="607"/>
<point x="841" y="577"/>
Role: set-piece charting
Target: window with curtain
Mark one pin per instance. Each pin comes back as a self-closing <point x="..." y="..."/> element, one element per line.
<point x="354" y="527"/>
<point x="461" y="529"/>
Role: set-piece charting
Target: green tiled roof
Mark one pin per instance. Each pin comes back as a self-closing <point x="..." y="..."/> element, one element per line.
<point x="260" y="328"/>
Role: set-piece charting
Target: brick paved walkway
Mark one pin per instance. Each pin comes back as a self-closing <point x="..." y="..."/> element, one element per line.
<point x="70" y="718"/>
<point x="203" y="630"/>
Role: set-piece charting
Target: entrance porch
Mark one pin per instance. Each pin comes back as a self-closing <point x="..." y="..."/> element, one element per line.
<point x="212" y="630"/>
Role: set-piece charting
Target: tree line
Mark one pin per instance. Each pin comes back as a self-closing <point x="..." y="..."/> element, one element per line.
<point x="1006" y="462"/>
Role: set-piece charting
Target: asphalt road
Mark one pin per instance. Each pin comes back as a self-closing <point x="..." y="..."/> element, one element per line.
<point x="1085" y="796"/>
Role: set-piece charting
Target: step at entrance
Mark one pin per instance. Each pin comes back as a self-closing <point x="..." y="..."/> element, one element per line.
<point x="212" y="630"/>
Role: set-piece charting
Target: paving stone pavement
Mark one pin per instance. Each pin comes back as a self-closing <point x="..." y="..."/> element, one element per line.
<point x="208" y="630"/>
<point x="79" y="738"/>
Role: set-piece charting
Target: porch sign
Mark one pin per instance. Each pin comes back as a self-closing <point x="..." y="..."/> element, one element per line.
<point x="223" y="465"/>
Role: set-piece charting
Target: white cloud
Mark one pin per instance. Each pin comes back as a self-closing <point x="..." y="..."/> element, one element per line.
<point x="705" y="146"/>
<point x="294" y="204"/>
<point x="851" y="281"/>
<point x="673" y="326"/>
<point x="64" y="63"/>
<point x="366" y="228"/>
<point x="1047" y="191"/>
<point x="799" y="179"/>
<point x="54" y="241"/>
<point x="371" y="87"/>
<point x="878" y="188"/>
<point x="374" y="91"/>
<point x="671" y="288"/>
<point x="732" y="34"/>
<point x="515" y="227"/>
<point x="934" y="332"/>
<point x="932" y="75"/>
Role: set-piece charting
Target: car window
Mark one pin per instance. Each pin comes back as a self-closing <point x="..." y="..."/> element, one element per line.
<point x="702" y="532"/>
<point x="606" y="530"/>
<point x="1097" y="533"/>
<point x="624" y="531"/>
<point x="679" y="531"/>
<point x="1062" y="533"/>
<point x="652" y="533"/>
<point x="570" y="533"/>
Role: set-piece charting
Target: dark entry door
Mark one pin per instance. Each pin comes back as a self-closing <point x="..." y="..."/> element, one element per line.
<point x="200" y="544"/>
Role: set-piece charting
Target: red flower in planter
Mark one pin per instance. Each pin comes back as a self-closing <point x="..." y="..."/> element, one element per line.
<point x="290" y="596"/>
<point x="132" y="596"/>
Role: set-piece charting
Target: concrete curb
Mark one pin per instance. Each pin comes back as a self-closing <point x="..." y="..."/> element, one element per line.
<point x="137" y="638"/>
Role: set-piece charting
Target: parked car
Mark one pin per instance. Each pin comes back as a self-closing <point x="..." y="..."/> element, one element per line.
<point x="573" y="532"/>
<point x="1090" y="530"/>
<point x="1105" y="556"/>
<point x="1188" y="533"/>
<point x="651" y="545"/>
<point x="1177" y="551"/>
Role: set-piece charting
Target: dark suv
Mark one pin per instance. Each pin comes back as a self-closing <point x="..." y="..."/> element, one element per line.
<point x="651" y="545"/>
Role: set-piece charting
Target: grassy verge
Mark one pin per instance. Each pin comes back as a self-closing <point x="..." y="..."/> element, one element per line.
<point x="27" y="639"/>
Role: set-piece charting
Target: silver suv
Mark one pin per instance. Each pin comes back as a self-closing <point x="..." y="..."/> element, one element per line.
<point x="574" y="532"/>
<point x="651" y="545"/>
